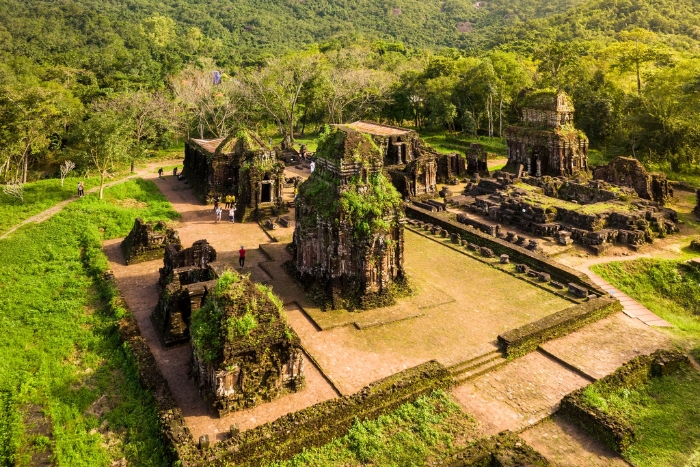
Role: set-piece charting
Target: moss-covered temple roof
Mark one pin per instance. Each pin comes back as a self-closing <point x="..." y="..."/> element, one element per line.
<point x="342" y="143"/>
<point x="239" y="316"/>
<point x="548" y="99"/>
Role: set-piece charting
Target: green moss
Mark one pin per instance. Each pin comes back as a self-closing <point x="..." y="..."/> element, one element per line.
<point x="241" y="326"/>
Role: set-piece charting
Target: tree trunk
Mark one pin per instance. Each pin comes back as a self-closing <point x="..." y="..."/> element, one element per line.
<point x="102" y="184"/>
<point x="132" y="165"/>
<point x="500" y="116"/>
<point x="25" y="165"/>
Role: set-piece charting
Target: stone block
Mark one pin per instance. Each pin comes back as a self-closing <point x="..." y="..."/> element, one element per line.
<point x="443" y="233"/>
<point x="543" y="277"/>
<point x="235" y="430"/>
<point x="577" y="291"/>
<point x="522" y="268"/>
<point x="473" y="247"/>
<point x="505" y="259"/>
<point x="486" y="252"/>
<point x="204" y="442"/>
<point x="556" y="285"/>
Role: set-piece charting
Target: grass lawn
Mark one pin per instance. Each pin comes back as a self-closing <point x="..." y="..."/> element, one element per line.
<point x="414" y="435"/>
<point x="666" y="287"/>
<point x="665" y="416"/>
<point x="63" y="365"/>
<point x="444" y="142"/>
<point x="39" y="196"/>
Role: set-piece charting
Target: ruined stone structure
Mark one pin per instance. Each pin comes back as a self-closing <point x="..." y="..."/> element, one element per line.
<point x="629" y="172"/>
<point x="477" y="160"/>
<point x="348" y="238"/>
<point x="147" y="241"/>
<point x="241" y="165"/>
<point x="696" y="210"/>
<point x="186" y="277"/>
<point x="244" y="352"/>
<point x="595" y="214"/>
<point x="545" y="142"/>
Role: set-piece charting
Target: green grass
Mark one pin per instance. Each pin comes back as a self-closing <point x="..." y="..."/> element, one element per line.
<point x="665" y="416"/>
<point x="39" y="196"/>
<point x="60" y="349"/>
<point x="666" y="287"/>
<point x="413" y="435"/>
<point x="447" y="143"/>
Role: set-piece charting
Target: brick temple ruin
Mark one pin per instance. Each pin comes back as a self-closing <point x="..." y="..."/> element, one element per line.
<point x="244" y="352"/>
<point x="595" y="213"/>
<point x="186" y="277"/>
<point x="414" y="167"/>
<point x="349" y="234"/>
<point x="147" y="241"/>
<point x="545" y="142"/>
<point x="241" y="165"/>
<point x="629" y="172"/>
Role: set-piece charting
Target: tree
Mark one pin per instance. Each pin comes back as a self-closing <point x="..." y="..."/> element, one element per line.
<point x="66" y="167"/>
<point x="637" y="48"/>
<point x="14" y="189"/>
<point x="277" y="86"/>
<point x="213" y="107"/>
<point x="30" y="114"/>
<point x="103" y="141"/>
<point x="147" y="115"/>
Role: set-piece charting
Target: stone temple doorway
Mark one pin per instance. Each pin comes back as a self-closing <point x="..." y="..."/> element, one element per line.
<point x="266" y="192"/>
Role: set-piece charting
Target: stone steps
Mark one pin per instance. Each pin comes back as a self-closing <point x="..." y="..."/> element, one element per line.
<point x="477" y="366"/>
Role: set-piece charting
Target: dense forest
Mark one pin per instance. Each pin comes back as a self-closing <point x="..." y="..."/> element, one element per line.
<point x="111" y="81"/>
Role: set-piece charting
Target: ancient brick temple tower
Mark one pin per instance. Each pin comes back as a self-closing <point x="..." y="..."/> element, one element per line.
<point x="545" y="142"/>
<point x="348" y="240"/>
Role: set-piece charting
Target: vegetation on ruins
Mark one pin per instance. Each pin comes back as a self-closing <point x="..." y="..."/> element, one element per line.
<point x="429" y="429"/>
<point x="252" y="305"/>
<point x="62" y="356"/>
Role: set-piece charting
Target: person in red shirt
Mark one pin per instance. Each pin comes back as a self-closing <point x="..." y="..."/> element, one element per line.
<point x="241" y="256"/>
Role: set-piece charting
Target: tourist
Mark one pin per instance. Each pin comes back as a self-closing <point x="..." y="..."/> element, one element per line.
<point x="232" y="213"/>
<point x="313" y="166"/>
<point x="160" y="173"/>
<point x="228" y="201"/>
<point x="216" y="203"/>
<point x="175" y="172"/>
<point x="81" y="190"/>
<point x="218" y="214"/>
<point x="241" y="256"/>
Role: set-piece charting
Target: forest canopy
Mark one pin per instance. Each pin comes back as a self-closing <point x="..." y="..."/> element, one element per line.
<point x="630" y="66"/>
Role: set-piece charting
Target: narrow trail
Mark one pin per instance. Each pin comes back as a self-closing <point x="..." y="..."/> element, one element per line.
<point x="55" y="209"/>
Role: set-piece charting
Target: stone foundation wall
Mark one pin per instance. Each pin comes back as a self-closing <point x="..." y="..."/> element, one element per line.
<point x="517" y="254"/>
<point x="525" y="339"/>
<point x="615" y="432"/>
<point x="323" y="422"/>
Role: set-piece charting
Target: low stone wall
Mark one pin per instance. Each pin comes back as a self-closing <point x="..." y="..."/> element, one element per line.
<point x="614" y="432"/>
<point x="517" y="254"/>
<point x="504" y="450"/>
<point x="321" y="423"/>
<point x="519" y="341"/>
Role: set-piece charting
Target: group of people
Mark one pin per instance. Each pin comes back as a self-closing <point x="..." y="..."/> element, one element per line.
<point x="229" y="205"/>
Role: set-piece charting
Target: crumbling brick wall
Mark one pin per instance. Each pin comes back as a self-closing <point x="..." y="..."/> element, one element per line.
<point x="147" y="241"/>
<point x="627" y="171"/>
<point x="186" y="278"/>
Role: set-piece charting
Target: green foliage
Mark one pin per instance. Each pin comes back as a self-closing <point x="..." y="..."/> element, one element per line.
<point x="372" y="207"/>
<point x="205" y="331"/>
<point x="241" y="326"/>
<point x="665" y="421"/>
<point x="61" y="350"/>
<point x="412" y="434"/>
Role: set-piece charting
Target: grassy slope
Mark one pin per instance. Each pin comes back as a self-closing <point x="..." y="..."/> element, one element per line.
<point x="415" y="434"/>
<point x="60" y="350"/>
<point x="665" y="414"/>
<point x="39" y="196"/>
